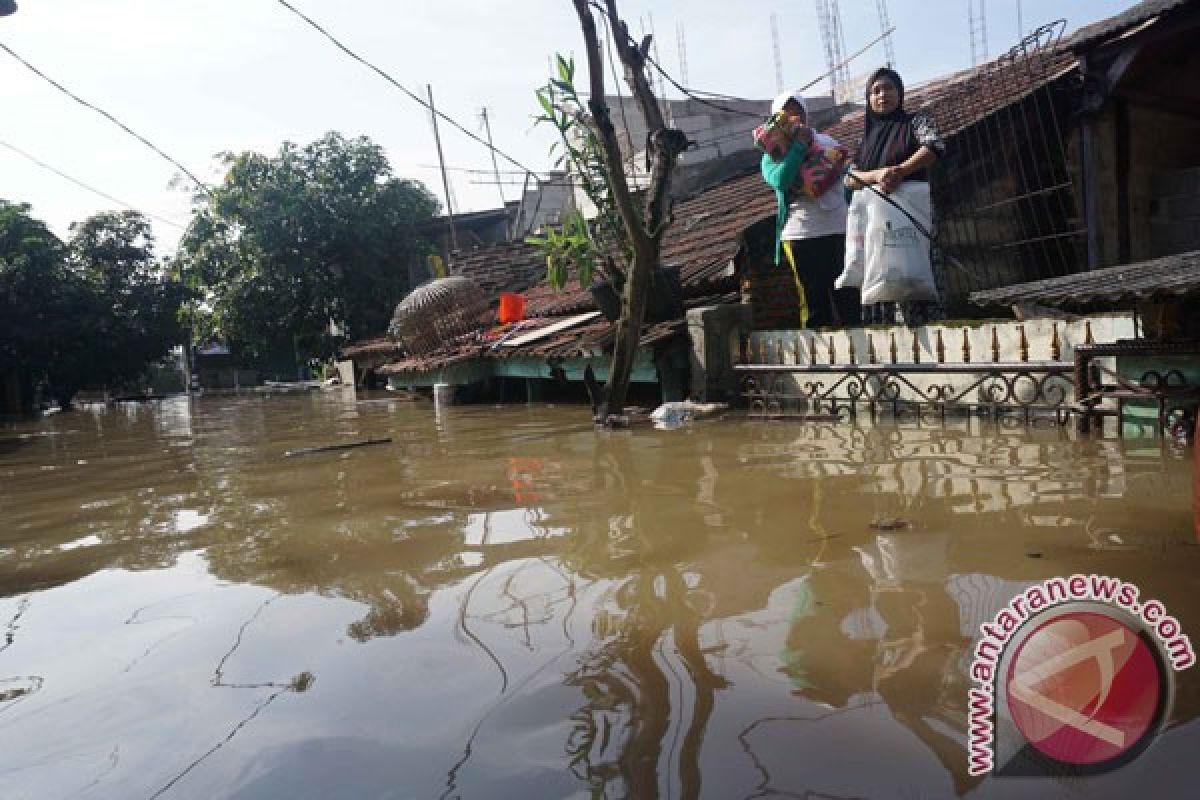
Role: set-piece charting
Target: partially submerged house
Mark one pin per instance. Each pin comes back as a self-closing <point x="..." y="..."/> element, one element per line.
<point x="565" y="332"/>
<point x="1065" y="155"/>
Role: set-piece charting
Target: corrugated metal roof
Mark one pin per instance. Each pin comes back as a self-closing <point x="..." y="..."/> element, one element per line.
<point x="1113" y="26"/>
<point x="1172" y="277"/>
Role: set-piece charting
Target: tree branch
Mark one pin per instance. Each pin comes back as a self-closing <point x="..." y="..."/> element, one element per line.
<point x="644" y="231"/>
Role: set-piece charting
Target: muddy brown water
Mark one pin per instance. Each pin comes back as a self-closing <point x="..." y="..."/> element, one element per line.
<point x="505" y="603"/>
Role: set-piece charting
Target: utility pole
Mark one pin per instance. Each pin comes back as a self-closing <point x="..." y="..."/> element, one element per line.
<point x="487" y="126"/>
<point x="1020" y="22"/>
<point x="442" y="163"/>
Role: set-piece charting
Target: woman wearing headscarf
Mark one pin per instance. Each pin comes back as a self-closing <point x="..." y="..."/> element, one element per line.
<point x="897" y="146"/>
<point x="810" y="231"/>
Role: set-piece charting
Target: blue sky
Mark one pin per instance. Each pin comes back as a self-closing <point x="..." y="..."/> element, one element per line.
<point x="202" y="76"/>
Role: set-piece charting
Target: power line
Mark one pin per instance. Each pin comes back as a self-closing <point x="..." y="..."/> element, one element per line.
<point x="483" y="171"/>
<point x="398" y="85"/>
<point x="678" y="86"/>
<point x="91" y="189"/>
<point x="609" y="36"/>
<point x="107" y="116"/>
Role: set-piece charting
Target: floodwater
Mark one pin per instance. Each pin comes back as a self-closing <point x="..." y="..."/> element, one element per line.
<point x="506" y="603"/>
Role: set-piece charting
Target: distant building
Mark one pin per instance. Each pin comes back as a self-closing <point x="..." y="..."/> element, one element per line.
<point x="214" y="367"/>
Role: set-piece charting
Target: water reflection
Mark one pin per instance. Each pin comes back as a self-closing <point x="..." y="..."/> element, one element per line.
<point x="505" y="603"/>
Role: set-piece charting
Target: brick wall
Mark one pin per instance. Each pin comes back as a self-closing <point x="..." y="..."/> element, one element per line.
<point x="770" y="290"/>
<point x="1175" y="211"/>
<point x="772" y="295"/>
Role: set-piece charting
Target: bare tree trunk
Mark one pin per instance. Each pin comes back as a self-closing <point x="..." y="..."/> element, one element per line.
<point x="644" y="230"/>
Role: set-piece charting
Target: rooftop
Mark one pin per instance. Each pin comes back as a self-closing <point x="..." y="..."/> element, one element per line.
<point x="1144" y="11"/>
<point x="1170" y="278"/>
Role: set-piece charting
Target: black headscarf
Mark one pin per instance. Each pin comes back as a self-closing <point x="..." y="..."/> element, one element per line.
<point x="888" y="139"/>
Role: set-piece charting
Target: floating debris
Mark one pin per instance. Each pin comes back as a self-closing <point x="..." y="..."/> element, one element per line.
<point x="890" y="524"/>
<point x="329" y="448"/>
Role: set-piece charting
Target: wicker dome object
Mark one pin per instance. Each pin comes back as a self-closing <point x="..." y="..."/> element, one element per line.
<point x="438" y="312"/>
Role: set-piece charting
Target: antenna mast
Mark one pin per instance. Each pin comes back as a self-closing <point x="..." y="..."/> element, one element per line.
<point x="681" y="38"/>
<point x="829" y="18"/>
<point x="885" y="25"/>
<point x="778" y="53"/>
<point x="977" y="16"/>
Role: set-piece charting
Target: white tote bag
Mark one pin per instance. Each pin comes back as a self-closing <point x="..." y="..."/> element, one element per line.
<point x="897" y="266"/>
<point x="856" y="250"/>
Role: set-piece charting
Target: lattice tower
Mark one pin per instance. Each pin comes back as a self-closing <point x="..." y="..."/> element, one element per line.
<point x="778" y="53"/>
<point x="885" y="24"/>
<point x="977" y="16"/>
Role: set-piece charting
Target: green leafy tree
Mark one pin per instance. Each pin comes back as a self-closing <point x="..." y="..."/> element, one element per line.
<point x="312" y="235"/>
<point x="129" y="309"/>
<point x="38" y="298"/>
<point x="94" y="312"/>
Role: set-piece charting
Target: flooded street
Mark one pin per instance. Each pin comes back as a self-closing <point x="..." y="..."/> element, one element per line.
<point x="506" y="603"/>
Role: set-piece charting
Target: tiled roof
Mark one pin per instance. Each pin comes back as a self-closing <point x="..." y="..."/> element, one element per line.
<point x="1172" y="277"/>
<point x="509" y="267"/>
<point x="702" y="240"/>
<point x="961" y="99"/>
<point x="375" y="346"/>
<point x="1120" y="23"/>
<point x="591" y="338"/>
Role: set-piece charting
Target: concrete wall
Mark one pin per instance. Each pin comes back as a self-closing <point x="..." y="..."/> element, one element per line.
<point x="716" y="334"/>
<point x="548" y="203"/>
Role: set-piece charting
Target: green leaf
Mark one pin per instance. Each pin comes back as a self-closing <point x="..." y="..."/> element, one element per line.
<point x="545" y="101"/>
<point x="565" y="69"/>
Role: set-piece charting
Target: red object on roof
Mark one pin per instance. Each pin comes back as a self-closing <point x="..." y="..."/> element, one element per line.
<point x="512" y="308"/>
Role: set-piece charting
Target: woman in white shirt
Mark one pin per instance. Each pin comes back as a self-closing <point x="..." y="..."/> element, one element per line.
<point x="812" y="232"/>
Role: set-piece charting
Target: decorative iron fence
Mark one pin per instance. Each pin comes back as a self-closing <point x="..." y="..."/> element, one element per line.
<point x="778" y="381"/>
<point x="1030" y="390"/>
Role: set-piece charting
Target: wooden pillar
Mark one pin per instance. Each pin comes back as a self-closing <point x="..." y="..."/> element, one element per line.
<point x="1091" y="174"/>
<point x="1124" y="228"/>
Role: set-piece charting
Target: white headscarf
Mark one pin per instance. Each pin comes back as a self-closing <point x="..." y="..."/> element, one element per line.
<point x="782" y="100"/>
<point x="831" y="199"/>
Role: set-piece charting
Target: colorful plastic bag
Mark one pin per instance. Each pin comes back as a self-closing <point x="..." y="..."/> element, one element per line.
<point x="822" y="170"/>
<point x="776" y="136"/>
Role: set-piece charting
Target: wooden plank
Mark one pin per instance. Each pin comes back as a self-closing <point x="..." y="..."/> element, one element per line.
<point x="561" y="325"/>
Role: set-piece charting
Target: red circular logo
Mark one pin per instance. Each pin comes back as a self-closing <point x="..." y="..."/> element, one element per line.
<point x="1084" y="688"/>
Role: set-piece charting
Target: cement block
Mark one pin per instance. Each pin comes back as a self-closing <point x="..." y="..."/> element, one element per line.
<point x="716" y="334"/>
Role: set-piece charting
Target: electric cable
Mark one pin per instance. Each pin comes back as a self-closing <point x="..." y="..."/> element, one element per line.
<point x="107" y="116"/>
<point x="400" y="86"/>
<point x="91" y="189"/>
